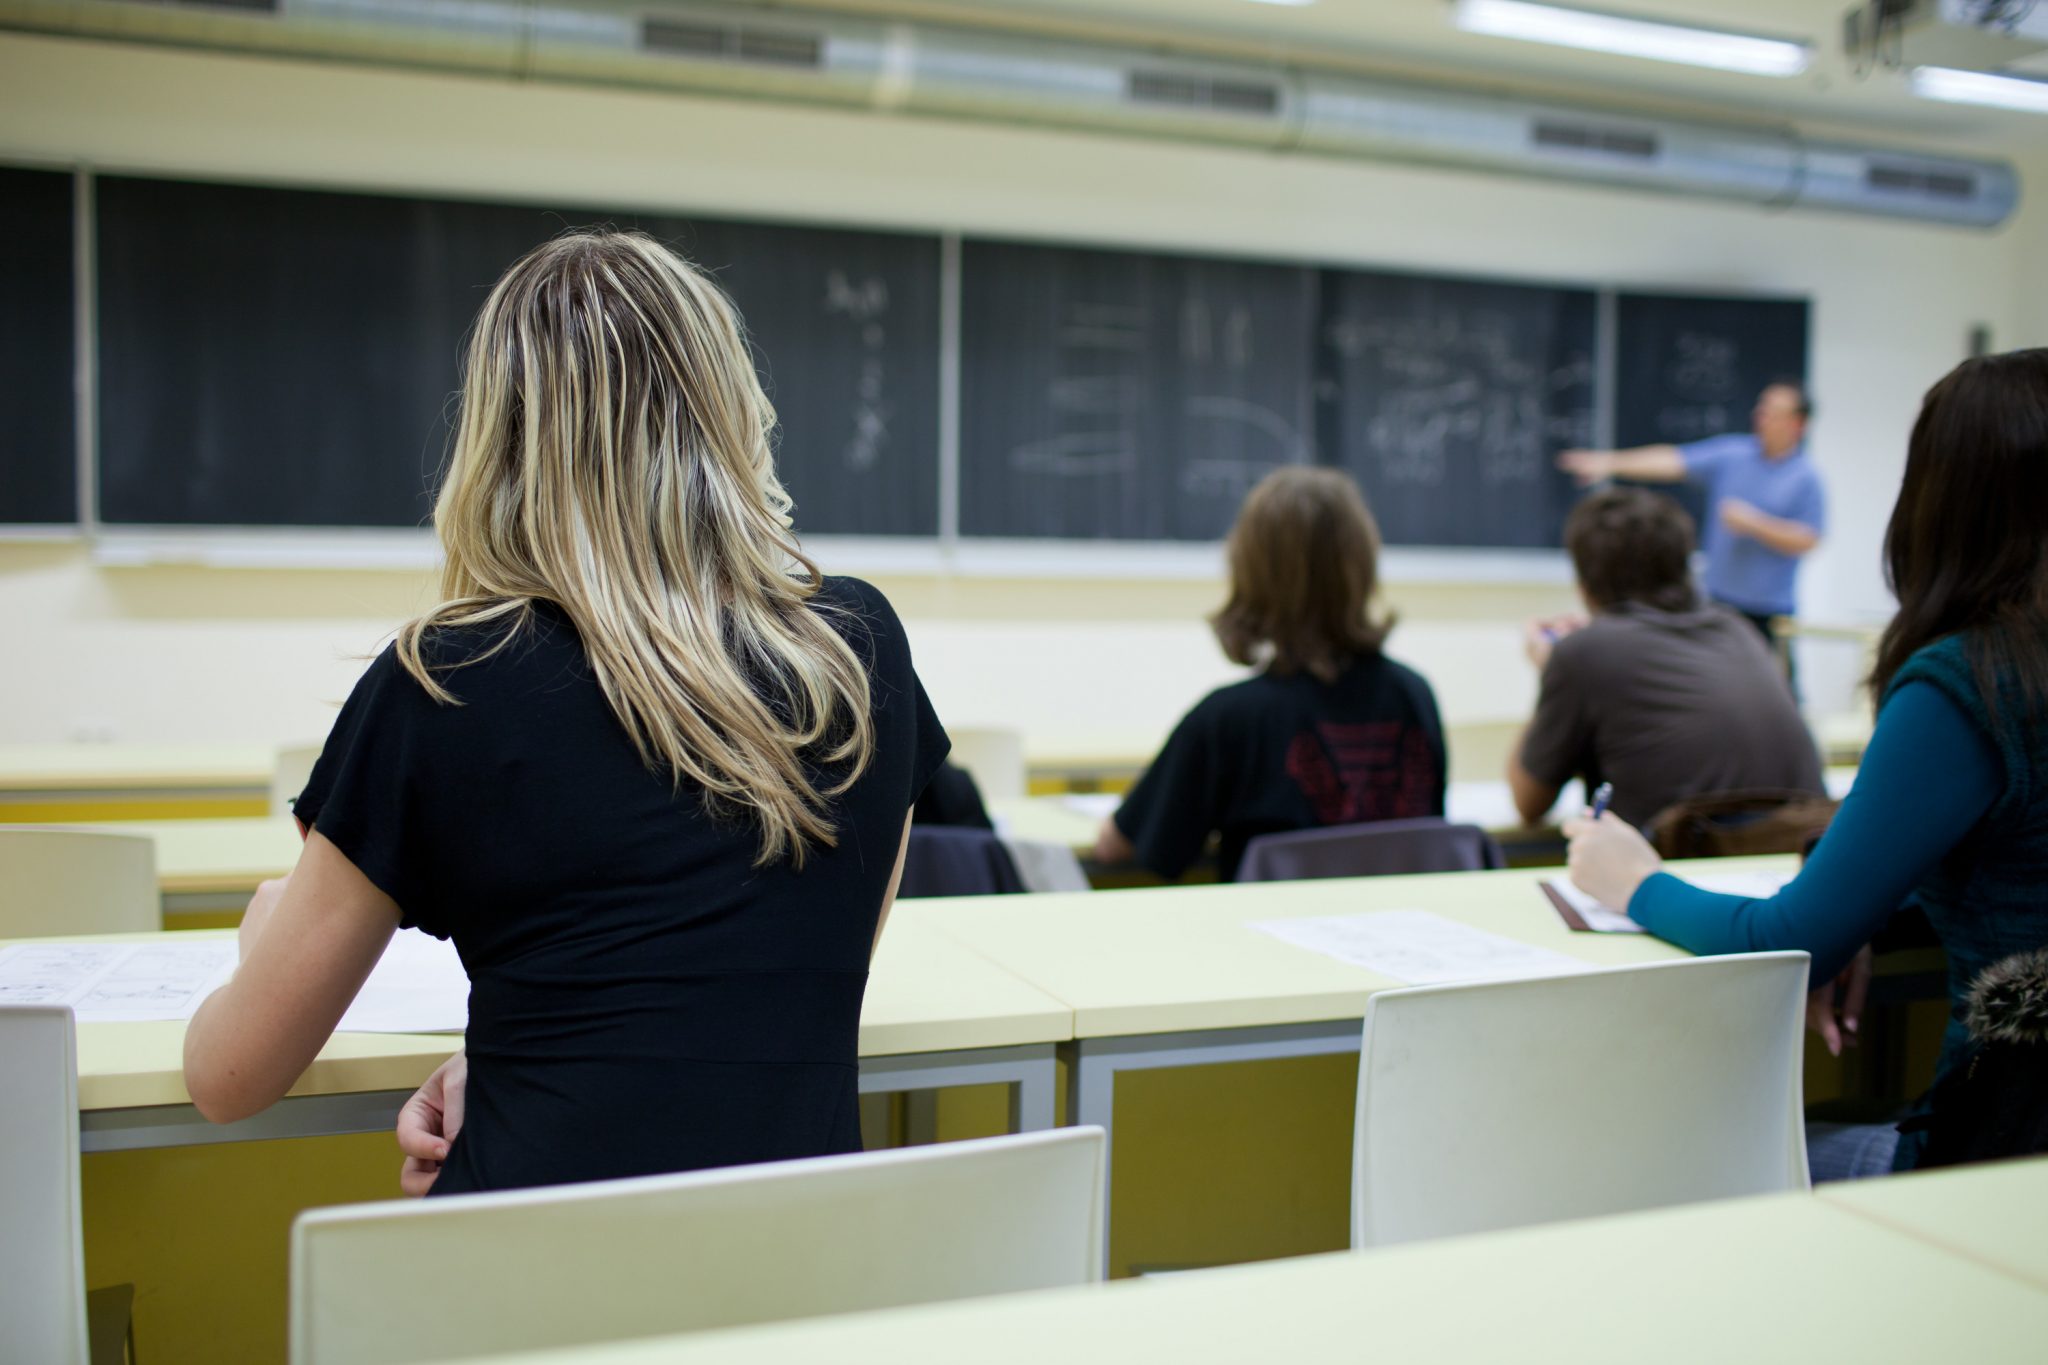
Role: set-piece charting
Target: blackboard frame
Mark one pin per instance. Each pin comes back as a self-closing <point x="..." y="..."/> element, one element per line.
<point x="948" y="551"/>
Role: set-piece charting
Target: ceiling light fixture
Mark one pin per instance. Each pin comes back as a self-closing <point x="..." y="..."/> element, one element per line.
<point x="1593" y="31"/>
<point x="1980" y="87"/>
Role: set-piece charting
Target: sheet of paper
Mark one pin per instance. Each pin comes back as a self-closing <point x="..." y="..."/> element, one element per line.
<point x="1094" y="805"/>
<point x="1418" y="947"/>
<point x="418" y="986"/>
<point x="116" y="982"/>
<point x="1602" y="919"/>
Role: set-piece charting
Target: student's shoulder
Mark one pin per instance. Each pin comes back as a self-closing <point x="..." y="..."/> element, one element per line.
<point x="863" y="616"/>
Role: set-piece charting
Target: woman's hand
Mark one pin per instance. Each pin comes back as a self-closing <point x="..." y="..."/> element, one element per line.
<point x="1835" y="1011"/>
<point x="429" y="1122"/>
<point x="268" y="894"/>
<point x="1609" y="859"/>
<point x="1111" y="847"/>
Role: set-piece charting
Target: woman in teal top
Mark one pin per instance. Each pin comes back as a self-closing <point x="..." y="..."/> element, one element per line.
<point x="1950" y="807"/>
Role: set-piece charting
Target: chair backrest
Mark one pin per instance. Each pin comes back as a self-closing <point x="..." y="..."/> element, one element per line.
<point x="288" y="776"/>
<point x="76" y="881"/>
<point x="42" y="1250"/>
<point x="942" y="860"/>
<point x="1385" y="848"/>
<point x="1043" y="865"/>
<point x="377" y="1284"/>
<point x="995" y="757"/>
<point x="1498" y="1104"/>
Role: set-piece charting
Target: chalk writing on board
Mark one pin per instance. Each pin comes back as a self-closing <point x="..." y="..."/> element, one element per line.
<point x="864" y="302"/>
<point x="1096" y="394"/>
<point x="1232" y="477"/>
<point x="1463" y="385"/>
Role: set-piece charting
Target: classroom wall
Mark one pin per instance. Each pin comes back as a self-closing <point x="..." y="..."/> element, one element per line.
<point x="184" y="654"/>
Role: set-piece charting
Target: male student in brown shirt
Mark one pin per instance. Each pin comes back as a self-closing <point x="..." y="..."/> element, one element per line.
<point x="1660" y="694"/>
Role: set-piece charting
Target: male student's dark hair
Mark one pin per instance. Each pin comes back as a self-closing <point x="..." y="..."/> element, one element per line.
<point x="1304" y="565"/>
<point x="1632" y="545"/>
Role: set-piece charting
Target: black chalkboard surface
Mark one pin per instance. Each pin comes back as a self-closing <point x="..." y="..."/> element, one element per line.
<point x="280" y="357"/>
<point x="1125" y="395"/>
<point x="1689" y="367"/>
<point x="38" y="428"/>
<point x="1448" y="400"/>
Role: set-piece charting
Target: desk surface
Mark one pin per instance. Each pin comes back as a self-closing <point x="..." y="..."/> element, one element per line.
<point x="927" y="994"/>
<point x="1993" y="1213"/>
<point x="98" y="767"/>
<point x="1183" y="958"/>
<point x="194" y="856"/>
<point x="1073" y="819"/>
<point x="1781" y="1278"/>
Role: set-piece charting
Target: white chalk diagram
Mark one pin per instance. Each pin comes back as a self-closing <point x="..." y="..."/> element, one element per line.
<point x="1098" y="394"/>
<point x="1455" y="384"/>
<point x="1707" y="371"/>
<point x="864" y="302"/>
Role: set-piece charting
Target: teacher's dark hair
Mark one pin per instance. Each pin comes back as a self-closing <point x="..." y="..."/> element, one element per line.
<point x="1967" y="550"/>
<point x="1304" y="566"/>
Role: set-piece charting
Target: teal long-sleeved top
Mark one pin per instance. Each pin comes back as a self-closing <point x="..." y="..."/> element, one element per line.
<point x="1928" y="777"/>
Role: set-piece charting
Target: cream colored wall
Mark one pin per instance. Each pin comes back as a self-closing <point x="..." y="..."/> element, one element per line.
<point x="197" y="655"/>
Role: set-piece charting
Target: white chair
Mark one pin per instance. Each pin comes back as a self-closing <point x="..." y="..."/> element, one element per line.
<point x="288" y="775"/>
<point x="43" y="1303"/>
<point x="77" y="881"/>
<point x="1498" y="1104"/>
<point x="994" y="757"/>
<point x="380" y="1284"/>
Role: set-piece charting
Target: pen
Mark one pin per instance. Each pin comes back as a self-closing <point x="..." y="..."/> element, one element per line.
<point x="1601" y="796"/>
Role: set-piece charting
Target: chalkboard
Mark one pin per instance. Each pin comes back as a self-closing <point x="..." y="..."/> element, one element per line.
<point x="38" y="438"/>
<point x="1448" y="400"/>
<point x="1690" y="367"/>
<point x="1125" y="395"/>
<point x="289" y="358"/>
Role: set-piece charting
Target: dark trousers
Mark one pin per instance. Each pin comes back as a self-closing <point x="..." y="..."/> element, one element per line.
<point x="1762" y="622"/>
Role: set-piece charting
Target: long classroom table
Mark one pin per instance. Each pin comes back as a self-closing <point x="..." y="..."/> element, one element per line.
<point x="1177" y="977"/>
<point x="70" y="782"/>
<point x="937" y="1015"/>
<point x="1786" y="1277"/>
<point x="1992" y="1213"/>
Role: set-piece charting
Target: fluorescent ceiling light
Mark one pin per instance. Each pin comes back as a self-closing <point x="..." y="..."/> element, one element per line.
<point x="1980" y="87"/>
<point x="1596" y="32"/>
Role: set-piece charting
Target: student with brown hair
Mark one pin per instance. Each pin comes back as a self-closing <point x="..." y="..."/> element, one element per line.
<point x="1329" y="731"/>
<point x="1950" y="806"/>
<point x="1658" y="693"/>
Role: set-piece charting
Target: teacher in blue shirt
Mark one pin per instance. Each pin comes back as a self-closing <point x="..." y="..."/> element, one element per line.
<point x="1766" y="508"/>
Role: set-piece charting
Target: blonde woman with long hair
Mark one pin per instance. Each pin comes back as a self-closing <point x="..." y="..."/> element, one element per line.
<point x="644" y="764"/>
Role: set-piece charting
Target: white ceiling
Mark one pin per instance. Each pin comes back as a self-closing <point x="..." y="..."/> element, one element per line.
<point x="1417" y="37"/>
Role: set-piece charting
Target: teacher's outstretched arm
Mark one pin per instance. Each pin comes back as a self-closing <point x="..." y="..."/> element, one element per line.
<point x="1650" y="464"/>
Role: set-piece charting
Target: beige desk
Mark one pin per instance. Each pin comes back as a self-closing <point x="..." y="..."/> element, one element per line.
<point x="206" y="867"/>
<point x="1177" y="977"/>
<point x="937" y="1014"/>
<point x="1785" y="1278"/>
<point x="1992" y="1213"/>
<point x="48" y="782"/>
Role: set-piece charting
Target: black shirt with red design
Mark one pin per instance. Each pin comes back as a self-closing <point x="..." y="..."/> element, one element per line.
<point x="1285" y="752"/>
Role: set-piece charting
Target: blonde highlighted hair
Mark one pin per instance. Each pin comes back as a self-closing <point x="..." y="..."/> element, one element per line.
<point x="614" y="458"/>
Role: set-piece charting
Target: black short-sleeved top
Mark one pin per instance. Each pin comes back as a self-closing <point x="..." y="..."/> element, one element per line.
<point x="1277" y="753"/>
<point x="642" y="997"/>
<point x="1667" y="705"/>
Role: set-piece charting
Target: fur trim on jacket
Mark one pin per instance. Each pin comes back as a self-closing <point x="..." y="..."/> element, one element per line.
<point x="2008" y="1002"/>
